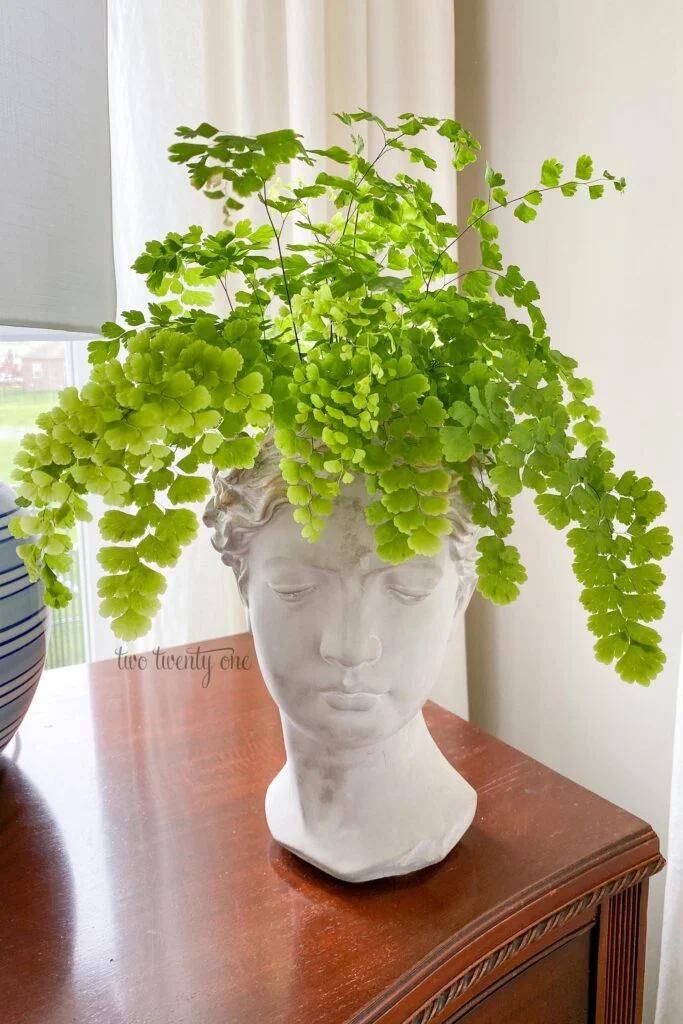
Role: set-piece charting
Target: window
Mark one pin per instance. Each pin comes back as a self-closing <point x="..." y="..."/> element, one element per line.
<point x="32" y="370"/>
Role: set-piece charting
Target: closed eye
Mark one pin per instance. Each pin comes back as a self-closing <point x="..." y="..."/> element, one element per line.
<point x="409" y="595"/>
<point x="293" y="593"/>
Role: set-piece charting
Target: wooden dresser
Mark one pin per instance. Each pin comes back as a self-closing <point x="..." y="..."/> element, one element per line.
<point x="139" y="884"/>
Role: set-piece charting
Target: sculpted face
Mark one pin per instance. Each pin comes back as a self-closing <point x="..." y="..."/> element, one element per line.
<point x="349" y="646"/>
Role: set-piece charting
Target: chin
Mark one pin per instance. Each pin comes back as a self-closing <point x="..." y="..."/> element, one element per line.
<point x="344" y="728"/>
<point x="359" y="729"/>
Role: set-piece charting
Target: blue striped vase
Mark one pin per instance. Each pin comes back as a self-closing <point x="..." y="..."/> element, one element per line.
<point x="23" y="627"/>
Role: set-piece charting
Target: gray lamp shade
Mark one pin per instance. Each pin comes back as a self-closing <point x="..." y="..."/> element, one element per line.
<point x="56" y="250"/>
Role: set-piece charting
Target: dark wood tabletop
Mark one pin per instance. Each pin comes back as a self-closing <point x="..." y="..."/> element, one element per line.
<point x="139" y="883"/>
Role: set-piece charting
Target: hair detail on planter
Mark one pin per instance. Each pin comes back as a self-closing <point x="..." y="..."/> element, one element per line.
<point x="245" y="499"/>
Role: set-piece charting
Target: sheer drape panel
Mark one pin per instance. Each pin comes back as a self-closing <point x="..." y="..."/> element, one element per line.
<point x="670" y="997"/>
<point x="252" y="66"/>
<point x="158" y="79"/>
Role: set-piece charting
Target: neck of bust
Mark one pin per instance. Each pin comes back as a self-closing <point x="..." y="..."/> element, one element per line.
<point x="313" y="760"/>
<point x="365" y="812"/>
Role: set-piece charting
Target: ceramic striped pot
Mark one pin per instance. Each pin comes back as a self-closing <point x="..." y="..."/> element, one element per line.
<point x="23" y="627"/>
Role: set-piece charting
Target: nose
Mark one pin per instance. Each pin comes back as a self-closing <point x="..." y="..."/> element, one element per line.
<point x="347" y="657"/>
<point x="348" y="641"/>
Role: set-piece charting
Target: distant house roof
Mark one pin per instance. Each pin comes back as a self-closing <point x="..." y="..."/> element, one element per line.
<point x="41" y="350"/>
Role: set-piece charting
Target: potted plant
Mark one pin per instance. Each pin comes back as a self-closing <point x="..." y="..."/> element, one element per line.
<point x="364" y="353"/>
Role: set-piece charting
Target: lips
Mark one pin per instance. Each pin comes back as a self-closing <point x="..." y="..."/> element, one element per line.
<point x="350" y="701"/>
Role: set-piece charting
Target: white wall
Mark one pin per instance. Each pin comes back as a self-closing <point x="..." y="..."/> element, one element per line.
<point x="537" y="79"/>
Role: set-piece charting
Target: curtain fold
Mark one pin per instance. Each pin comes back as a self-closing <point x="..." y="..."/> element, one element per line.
<point x="670" y="994"/>
<point x="159" y="75"/>
<point x="251" y="66"/>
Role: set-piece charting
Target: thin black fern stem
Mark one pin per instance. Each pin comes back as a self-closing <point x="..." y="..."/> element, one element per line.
<point x="284" y="274"/>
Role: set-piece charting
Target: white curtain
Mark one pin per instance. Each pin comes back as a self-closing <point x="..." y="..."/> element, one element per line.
<point x="250" y="66"/>
<point x="670" y="995"/>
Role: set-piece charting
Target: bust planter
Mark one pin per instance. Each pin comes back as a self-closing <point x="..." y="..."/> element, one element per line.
<point x="350" y="648"/>
<point x="364" y="389"/>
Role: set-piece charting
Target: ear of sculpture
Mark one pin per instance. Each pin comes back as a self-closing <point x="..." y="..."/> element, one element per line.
<point x="242" y="581"/>
<point x="466" y="589"/>
<point x="243" y="591"/>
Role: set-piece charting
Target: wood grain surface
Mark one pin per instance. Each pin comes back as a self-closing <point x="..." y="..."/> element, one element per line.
<point x="139" y="883"/>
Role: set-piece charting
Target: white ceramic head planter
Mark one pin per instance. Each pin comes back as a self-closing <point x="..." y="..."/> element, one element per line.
<point x="350" y="648"/>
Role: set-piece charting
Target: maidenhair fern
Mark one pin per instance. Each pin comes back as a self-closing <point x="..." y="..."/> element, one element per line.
<point x="368" y="338"/>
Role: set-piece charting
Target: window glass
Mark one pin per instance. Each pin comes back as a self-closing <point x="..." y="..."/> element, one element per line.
<point x="31" y="374"/>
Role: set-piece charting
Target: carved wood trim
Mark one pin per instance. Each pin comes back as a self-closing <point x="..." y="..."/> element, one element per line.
<point x="621" y="953"/>
<point x="526" y="938"/>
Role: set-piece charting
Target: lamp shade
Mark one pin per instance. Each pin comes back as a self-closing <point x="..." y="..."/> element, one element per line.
<point x="56" y="251"/>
